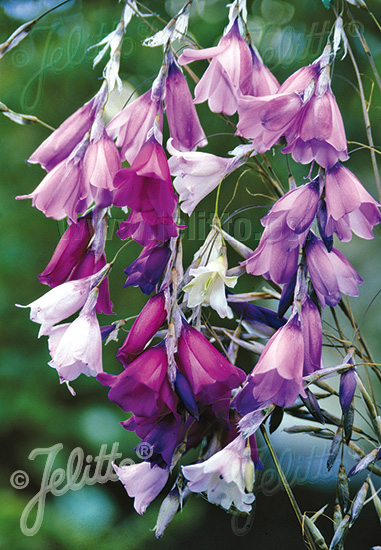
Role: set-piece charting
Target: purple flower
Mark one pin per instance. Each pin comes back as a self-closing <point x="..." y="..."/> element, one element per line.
<point x="209" y="374"/>
<point x="147" y="323"/>
<point x="143" y="386"/>
<point x="132" y="125"/>
<point x="349" y="206"/>
<point x="60" y="144"/>
<point x="260" y="80"/>
<point x="183" y="122"/>
<point x="278" y="375"/>
<point x="257" y="319"/>
<point x="147" y="269"/>
<point x="348" y="385"/>
<point x="143" y="482"/>
<point x="146" y="188"/>
<point x="331" y="273"/>
<point x="101" y="161"/>
<point x="69" y="251"/>
<point x="222" y="81"/>
<point x="76" y="348"/>
<point x="312" y="336"/>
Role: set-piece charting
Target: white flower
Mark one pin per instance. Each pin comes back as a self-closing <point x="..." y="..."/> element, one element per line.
<point x="225" y="476"/>
<point x="76" y="348"/>
<point x="208" y="284"/>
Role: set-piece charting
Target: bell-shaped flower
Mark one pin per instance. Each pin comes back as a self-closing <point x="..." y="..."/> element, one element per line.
<point x="265" y="119"/>
<point x="147" y="323"/>
<point x="147" y="231"/>
<point x="184" y="126"/>
<point x="198" y="174"/>
<point x="231" y="63"/>
<point x="331" y="273"/>
<point x="317" y="133"/>
<point x="260" y="80"/>
<point x="62" y="301"/>
<point x="349" y="206"/>
<point x="278" y="375"/>
<point x="69" y="251"/>
<point x="146" y="188"/>
<point x="226" y="477"/>
<point x="76" y="348"/>
<point x="208" y="285"/>
<point x="146" y="271"/>
<point x="64" y="191"/>
<point x="130" y="127"/>
<point x="143" y="386"/>
<point x="61" y="143"/>
<point x="143" y="482"/>
<point x="210" y="374"/>
<point x="312" y="336"/>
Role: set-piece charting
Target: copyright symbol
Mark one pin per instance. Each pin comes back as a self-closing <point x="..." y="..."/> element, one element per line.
<point x="144" y="450"/>
<point x="19" y="479"/>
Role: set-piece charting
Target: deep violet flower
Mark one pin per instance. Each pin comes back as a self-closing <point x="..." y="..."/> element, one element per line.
<point x="209" y="373"/>
<point x="143" y="482"/>
<point x="146" y="271"/>
<point x="147" y="323"/>
<point x="183" y="122"/>
<point x="278" y="375"/>
<point x="227" y="72"/>
<point x="348" y="385"/>
<point x="146" y="188"/>
<point x="331" y="273"/>
<point x="349" y="206"/>
<point x="256" y="319"/>
<point x="143" y="386"/>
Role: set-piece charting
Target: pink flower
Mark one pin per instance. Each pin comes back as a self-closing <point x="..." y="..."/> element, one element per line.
<point x="260" y="80"/>
<point x="198" y="174"/>
<point x="60" y="144"/>
<point x="143" y="386"/>
<point x="147" y="323"/>
<point x="222" y="81"/>
<point x="278" y="375"/>
<point x="146" y="188"/>
<point x="208" y="373"/>
<point x="76" y="348"/>
<point x="101" y="161"/>
<point x="142" y="482"/>
<point x="132" y="125"/>
<point x="317" y="133"/>
<point x="331" y="273"/>
<point x="183" y="122"/>
<point x="227" y="477"/>
<point x="349" y="206"/>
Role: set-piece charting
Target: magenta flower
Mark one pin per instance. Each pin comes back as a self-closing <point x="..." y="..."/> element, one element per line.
<point x="146" y="271"/>
<point x="143" y="482"/>
<point x="209" y="374"/>
<point x="146" y="188"/>
<point x="183" y="122"/>
<point x="317" y="133"/>
<point x="60" y="144"/>
<point x="143" y="386"/>
<point x="278" y="375"/>
<point x="331" y="273"/>
<point x="144" y="231"/>
<point x="76" y="348"/>
<point x="227" y="73"/>
<point x="131" y="126"/>
<point x="69" y="251"/>
<point x="147" y="323"/>
<point x="349" y="206"/>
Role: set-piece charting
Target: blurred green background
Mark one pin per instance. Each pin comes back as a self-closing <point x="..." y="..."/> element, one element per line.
<point x="50" y="75"/>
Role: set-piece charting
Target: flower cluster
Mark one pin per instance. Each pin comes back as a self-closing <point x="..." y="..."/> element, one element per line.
<point x="179" y="378"/>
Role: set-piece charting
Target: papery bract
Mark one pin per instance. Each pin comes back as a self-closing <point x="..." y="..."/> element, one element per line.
<point x="143" y="482"/>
